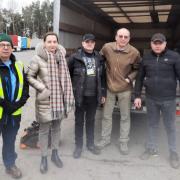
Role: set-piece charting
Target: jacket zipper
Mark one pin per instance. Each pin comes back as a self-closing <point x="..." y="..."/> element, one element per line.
<point x="115" y="68"/>
<point x="157" y="59"/>
<point x="157" y="67"/>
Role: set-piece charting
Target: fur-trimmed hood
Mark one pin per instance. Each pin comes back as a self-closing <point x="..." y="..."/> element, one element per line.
<point x="41" y="51"/>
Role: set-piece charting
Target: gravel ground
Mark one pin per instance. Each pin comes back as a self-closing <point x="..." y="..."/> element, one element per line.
<point x="110" y="165"/>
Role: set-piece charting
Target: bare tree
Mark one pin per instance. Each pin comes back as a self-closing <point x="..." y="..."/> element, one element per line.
<point x="35" y="18"/>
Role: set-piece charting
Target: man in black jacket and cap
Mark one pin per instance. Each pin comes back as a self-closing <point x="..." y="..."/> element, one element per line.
<point x="159" y="72"/>
<point x="14" y="91"/>
<point x="87" y="72"/>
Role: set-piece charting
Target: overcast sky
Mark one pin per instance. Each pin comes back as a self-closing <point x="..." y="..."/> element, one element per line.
<point x="16" y="4"/>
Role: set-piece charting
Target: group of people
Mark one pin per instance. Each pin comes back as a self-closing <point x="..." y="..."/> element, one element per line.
<point x="83" y="82"/>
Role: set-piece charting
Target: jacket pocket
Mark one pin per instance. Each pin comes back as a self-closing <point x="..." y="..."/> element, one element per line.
<point x="45" y="94"/>
<point x="146" y="82"/>
<point x="149" y="84"/>
<point x="77" y="72"/>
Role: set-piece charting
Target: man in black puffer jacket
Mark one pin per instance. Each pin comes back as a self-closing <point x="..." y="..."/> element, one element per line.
<point x="159" y="72"/>
<point x="87" y="72"/>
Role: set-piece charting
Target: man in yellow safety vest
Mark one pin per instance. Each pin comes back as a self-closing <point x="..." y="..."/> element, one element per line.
<point x="14" y="92"/>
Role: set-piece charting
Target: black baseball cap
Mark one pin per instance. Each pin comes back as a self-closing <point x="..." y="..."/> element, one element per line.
<point x="88" y="37"/>
<point x="158" y="37"/>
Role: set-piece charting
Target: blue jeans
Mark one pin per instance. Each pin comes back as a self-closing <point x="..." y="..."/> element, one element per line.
<point x="167" y="108"/>
<point x="9" y="133"/>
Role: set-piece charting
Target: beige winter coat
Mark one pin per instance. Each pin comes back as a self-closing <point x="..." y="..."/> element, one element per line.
<point x="37" y="75"/>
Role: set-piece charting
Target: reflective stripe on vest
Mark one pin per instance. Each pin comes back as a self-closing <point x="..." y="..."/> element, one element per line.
<point x="19" y="68"/>
<point x="2" y="96"/>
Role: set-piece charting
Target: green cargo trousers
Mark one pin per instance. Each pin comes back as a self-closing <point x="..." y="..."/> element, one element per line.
<point x="124" y="101"/>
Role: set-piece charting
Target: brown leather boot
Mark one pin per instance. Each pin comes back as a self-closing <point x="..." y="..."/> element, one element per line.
<point x="14" y="172"/>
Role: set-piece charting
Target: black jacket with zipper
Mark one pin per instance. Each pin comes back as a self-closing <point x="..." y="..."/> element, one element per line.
<point x="159" y="75"/>
<point x="4" y="73"/>
<point x="77" y="70"/>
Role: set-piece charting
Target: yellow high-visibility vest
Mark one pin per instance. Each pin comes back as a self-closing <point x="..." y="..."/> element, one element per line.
<point x="19" y="68"/>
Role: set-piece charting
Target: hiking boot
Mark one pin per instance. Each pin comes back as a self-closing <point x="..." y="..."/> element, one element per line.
<point x="123" y="147"/>
<point x="56" y="159"/>
<point x="94" y="150"/>
<point x="14" y="172"/>
<point x="174" y="160"/>
<point x="149" y="153"/>
<point x="77" y="152"/>
<point x="44" y="165"/>
<point x="102" y="144"/>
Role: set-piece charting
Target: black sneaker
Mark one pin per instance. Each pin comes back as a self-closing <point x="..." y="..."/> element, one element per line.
<point x="77" y="152"/>
<point x="94" y="150"/>
<point x="149" y="153"/>
<point x="174" y="160"/>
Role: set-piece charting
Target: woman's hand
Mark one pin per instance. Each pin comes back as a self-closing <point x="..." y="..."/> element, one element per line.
<point x="44" y="94"/>
<point x="103" y="100"/>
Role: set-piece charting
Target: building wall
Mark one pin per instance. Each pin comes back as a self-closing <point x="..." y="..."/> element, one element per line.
<point x="73" y="25"/>
<point x="147" y="33"/>
<point x="141" y="37"/>
<point x="176" y="37"/>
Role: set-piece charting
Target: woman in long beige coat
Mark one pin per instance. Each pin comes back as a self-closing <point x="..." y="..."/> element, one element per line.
<point x="49" y="75"/>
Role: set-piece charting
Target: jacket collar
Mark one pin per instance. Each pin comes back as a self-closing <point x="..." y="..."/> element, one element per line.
<point x="161" y="54"/>
<point x="80" y="53"/>
<point x="126" y="48"/>
<point x="41" y="51"/>
<point x="12" y="58"/>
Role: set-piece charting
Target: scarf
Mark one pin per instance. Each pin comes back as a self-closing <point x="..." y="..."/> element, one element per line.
<point x="61" y="99"/>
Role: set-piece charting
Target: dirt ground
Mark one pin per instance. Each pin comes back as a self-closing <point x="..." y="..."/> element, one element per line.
<point x="110" y="165"/>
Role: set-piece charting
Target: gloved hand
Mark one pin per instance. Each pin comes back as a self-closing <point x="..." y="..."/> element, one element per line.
<point x="9" y="107"/>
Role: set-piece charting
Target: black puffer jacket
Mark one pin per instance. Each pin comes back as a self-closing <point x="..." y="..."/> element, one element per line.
<point x="159" y="75"/>
<point x="77" y="70"/>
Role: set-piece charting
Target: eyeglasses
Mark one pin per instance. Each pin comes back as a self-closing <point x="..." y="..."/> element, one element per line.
<point x="89" y="41"/>
<point x="121" y="36"/>
<point x="5" y="45"/>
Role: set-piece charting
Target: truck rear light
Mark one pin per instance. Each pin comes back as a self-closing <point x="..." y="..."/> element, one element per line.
<point x="177" y="109"/>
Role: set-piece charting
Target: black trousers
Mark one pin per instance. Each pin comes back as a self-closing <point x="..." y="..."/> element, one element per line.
<point x="85" y="114"/>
